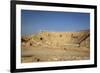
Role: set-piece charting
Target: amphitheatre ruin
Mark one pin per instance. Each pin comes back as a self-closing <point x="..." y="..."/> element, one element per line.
<point x="55" y="46"/>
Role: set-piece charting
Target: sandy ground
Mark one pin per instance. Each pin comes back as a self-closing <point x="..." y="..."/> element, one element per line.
<point x="39" y="54"/>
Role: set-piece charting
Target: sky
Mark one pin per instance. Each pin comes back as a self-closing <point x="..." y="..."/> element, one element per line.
<point x="33" y="21"/>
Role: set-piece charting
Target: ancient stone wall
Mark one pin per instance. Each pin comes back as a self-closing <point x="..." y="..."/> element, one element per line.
<point x="60" y="38"/>
<point x="57" y="39"/>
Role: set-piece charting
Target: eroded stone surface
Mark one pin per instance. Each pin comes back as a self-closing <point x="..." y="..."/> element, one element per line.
<point x="55" y="46"/>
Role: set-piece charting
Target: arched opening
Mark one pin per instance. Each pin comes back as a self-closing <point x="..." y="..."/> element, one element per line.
<point x="38" y="60"/>
<point x="41" y="38"/>
<point x="30" y="44"/>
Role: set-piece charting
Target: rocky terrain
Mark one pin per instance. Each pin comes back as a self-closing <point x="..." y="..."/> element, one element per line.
<point x="55" y="46"/>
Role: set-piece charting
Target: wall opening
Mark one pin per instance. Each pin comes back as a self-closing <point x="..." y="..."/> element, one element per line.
<point x="41" y="38"/>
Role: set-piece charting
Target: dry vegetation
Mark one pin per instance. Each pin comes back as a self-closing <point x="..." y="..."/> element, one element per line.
<point x="55" y="46"/>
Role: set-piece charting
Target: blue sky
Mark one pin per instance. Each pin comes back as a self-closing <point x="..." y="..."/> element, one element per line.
<point x="33" y="21"/>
